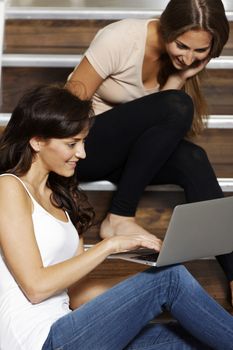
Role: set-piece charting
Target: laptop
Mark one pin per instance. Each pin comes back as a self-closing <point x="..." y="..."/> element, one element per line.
<point x="196" y="230"/>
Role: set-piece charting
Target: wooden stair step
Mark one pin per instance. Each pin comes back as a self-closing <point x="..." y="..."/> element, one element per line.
<point x="50" y="36"/>
<point x="218" y="89"/>
<point x="218" y="143"/>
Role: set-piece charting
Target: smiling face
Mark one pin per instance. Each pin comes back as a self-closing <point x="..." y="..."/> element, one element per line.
<point x="60" y="155"/>
<point x="188" y="48"/>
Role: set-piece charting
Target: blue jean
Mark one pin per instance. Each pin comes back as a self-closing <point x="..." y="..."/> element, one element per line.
<point x="119" y="319"/>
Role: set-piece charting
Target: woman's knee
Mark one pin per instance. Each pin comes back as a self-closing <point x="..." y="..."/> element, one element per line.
<point x="179" y="107"/>
<point x="179" y="272"/>
<point x="177" y="279"/>
<point x="181" y="280"/>
<point x="190" y="155"/>
<point x="190" y="168"/>
<point x="174" y="273"/>
<point x="170" y="109"/>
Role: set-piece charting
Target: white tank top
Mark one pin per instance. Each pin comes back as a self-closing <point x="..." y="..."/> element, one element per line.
<point x="24" y="326"/>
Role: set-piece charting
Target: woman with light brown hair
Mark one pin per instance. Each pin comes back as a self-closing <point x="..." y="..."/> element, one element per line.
<point x="143" y="76"/>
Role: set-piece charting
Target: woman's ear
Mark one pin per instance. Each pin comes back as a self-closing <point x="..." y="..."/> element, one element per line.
<point x="35" y="143"/>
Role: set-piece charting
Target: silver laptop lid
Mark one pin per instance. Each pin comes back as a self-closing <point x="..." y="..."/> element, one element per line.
<point x="197" y="230"/>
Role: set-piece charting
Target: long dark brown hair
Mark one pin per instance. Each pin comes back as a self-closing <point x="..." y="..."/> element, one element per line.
<point x="181" y="16"/>
<point x="49" y="111"/>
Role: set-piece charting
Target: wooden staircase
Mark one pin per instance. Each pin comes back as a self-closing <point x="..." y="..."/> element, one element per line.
<point x="44" y="40"/>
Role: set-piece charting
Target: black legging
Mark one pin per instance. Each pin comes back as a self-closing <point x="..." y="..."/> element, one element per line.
<point x="140" y="143"/>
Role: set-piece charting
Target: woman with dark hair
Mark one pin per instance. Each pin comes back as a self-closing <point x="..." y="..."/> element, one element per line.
<point x="42" y="258"/>
<point x="38" y="118"/>
<point x="143" y="76"/>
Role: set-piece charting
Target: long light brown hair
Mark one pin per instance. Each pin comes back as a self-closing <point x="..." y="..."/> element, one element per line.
<point x="181" y="16"/>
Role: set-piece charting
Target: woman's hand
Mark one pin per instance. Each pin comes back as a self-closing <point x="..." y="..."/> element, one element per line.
<point x="125" y="243"/>
<point x="194" y="69"/>
<point x="176" y="81"/>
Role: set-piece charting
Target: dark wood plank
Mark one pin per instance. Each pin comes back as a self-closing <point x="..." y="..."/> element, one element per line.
<point x="218" y="89"/>
<point x="218" y="144"/>
<point x="16" y="81"/>
<point x="50" y="36"/>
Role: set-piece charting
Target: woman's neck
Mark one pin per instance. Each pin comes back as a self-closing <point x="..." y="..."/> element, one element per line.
<point x="154" y="44"/>
<point x="36" y="179"/>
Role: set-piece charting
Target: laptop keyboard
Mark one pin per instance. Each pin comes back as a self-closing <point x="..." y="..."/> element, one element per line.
<point x="151" y="257"/>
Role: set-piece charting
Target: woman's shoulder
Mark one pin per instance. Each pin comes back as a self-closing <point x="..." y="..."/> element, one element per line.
<point x="120" y="34"/>
<point x="10" y="183"/>
<point x="128" y="24"/>
<point x="13" y="195"/>
<point x="7" y="177"/>
<point x="10" y="178"/>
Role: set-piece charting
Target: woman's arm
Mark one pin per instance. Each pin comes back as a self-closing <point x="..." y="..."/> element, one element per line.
<point x="89" y="288"/>
<point x="88" y="77"/>
<point x="101" y="59"/>
<point x="22" y="255"/>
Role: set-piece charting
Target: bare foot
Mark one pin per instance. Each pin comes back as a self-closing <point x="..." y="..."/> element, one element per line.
<point x="116" y="225"/>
